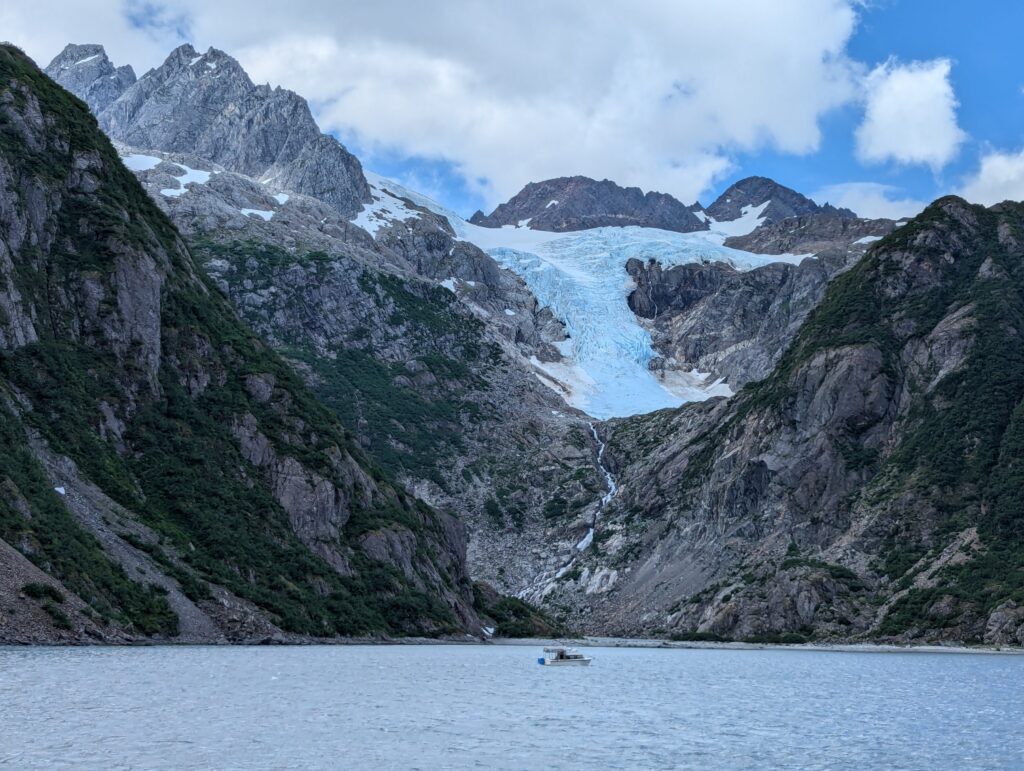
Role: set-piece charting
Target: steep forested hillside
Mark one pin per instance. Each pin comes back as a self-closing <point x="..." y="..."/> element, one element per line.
<point x="201" y="490"/>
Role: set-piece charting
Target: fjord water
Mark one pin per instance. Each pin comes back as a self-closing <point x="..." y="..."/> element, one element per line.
<point x="436" y="706"/>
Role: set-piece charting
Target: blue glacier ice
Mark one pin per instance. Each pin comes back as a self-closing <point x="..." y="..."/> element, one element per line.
<point x="581" y="276"/>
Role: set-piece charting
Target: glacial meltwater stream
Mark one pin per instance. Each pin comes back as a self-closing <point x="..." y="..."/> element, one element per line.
<point x="606" y="498"/>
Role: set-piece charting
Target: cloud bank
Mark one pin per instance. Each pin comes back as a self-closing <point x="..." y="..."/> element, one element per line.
<point x="1000" y="177"/>
<point x="662" y="94"/>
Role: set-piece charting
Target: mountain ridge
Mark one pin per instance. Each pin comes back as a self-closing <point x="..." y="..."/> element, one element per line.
<point x="206" y="104"/>
<point x="164" y="466"/>
<point x="258" y="244"/>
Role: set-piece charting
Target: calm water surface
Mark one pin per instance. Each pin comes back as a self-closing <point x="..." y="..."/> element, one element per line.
<point x="433" y="707"/>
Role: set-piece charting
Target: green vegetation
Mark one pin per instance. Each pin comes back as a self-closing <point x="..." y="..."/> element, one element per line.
<point x="556" y="508"/>
<point x="403" y="425"/>
<point x="32" y="514"/>
<point x="177" y="462"/>
<point x="698" y="637"/>
<point x="60" y="619"/>
<point x="513" y="617"/>
<point x="962" y="449"/>
<point x="837" y="572"/>
<point x="43" y="591"/>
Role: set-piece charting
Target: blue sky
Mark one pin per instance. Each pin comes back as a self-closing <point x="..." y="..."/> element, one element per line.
<point x="881" y="105"/>
<point x="981" y="40"/>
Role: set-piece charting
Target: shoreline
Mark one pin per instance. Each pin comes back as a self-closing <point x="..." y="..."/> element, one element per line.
<point x="540" y="642"/>
<point x="819" y="647"/>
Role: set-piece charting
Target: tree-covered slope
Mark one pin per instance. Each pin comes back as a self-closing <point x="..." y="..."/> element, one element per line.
<point x="188" y="448"/>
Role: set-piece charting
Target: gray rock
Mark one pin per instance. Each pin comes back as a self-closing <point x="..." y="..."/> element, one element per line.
<point x="207" y="106"/>
<point x="85" y="71"/>
<point x="754" y="191"/>
<point x="578" y="203"/>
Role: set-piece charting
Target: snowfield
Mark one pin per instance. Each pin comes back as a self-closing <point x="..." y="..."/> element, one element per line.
<point x="581" y="276"/>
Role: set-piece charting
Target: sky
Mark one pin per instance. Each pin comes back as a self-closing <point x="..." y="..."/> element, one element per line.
<point x="878" y="105"/>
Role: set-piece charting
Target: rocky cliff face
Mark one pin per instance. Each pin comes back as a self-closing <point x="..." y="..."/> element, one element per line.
<point x="752" y="192"/>
<point x="206" y="105"/>
<point x="167" y="471"/>
<point x="420" y="341"/>
<point x="811" y="234"/>
<point x="86" y="71"/>
<point x="737" y="324"/>
<point x="869" y="488"/>
<point x="578" y="203"/>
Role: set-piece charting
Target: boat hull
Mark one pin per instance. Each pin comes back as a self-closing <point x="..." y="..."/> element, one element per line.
<point x="564" y="662"/>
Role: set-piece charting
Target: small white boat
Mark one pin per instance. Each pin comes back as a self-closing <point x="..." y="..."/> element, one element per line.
<point x="563" y="657"/>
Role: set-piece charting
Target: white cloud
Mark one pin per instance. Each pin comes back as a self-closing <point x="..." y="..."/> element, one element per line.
<point x="870" y="199"/>
<point x="1000" y="177"/>
<point x="661" y="94"/>
<point x="910" y="115"/>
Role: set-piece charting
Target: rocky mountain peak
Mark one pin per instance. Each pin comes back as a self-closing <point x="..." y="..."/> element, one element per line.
<point x="783" y="202"/>
<point x="206" y="105"/>
<point x="578" y="203"/>
<point x="87" y="71"/>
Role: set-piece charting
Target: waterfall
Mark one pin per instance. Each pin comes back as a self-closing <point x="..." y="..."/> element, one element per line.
<point x="605" y="499"/>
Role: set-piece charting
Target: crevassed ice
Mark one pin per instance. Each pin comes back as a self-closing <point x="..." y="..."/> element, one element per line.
<point x="581" y="276"/>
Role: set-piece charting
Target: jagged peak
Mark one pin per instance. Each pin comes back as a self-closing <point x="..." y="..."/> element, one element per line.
<point x="78" y="53"/>
<point x="756" y="191"/>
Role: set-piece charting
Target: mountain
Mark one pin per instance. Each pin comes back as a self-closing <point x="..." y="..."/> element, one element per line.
<point x="86" y="71"/>
<point x="418" y="340"/>
<point x="469" y="361"/>
<point x="779" y="202"/>
<point x="868" y="488"/>
<point x="734" y="323"/>
<point x="165" y="473"/>
<point x="579" y="203"/>
<point x="206" y="105"/>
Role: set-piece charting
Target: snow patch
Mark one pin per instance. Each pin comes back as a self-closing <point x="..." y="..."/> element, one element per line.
<point x="263" y="214"/>
<point x="141" y="162"/>
<point x="188" y="176"/>
<point x="281" y="198"/>
<point x="60" y="491"/>
<point x="449" y="284"/>
<point x="86" y="59"/>
<point x="386" y="205"/>
<point x="509" y="312"/>
<point x="553" y="202"/>
<point x="587" y="540"/>
<point x="194" y="60"/>
<point x="868" y="240"/>
<point x="748" y="220"/>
